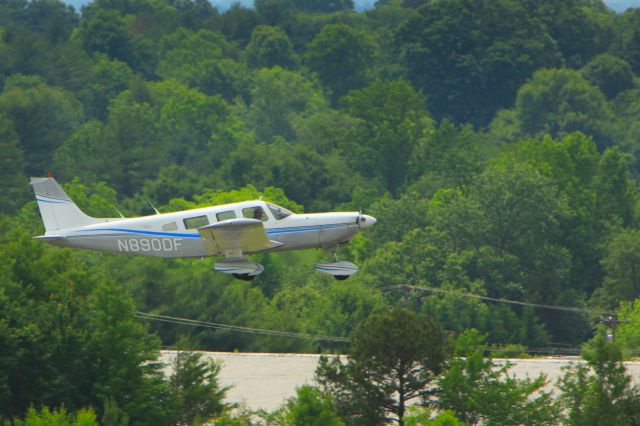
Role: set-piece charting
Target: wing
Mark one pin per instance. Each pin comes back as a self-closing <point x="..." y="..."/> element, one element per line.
<point x="234" y="237"/>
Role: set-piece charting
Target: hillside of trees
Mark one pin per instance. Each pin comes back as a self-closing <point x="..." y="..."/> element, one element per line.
<point x="495" y="141"/>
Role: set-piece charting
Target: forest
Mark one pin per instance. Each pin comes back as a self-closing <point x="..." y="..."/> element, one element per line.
<point x="495" y="141"/>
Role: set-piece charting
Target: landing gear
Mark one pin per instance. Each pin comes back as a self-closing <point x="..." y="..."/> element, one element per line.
<point x="241" y="268"/>
<point x="243" y="277"/>
<point x="340" y="270"/>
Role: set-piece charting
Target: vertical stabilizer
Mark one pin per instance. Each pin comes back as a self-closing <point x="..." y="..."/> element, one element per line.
<point x="58" y="211"/>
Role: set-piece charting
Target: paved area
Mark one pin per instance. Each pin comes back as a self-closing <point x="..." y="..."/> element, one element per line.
<point x="265" y="381"/>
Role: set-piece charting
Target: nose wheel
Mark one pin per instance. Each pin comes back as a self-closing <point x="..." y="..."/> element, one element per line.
<point x="340" y="270"/>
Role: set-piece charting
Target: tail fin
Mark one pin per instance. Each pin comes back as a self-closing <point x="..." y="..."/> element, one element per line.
<point x="58" y="211"/>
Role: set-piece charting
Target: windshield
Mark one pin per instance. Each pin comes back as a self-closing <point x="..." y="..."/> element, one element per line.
<point x="278" y="212"/>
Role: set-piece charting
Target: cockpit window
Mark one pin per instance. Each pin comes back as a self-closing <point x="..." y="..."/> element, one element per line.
<point x="255" y="213"/>
<point x="278" y="212"/>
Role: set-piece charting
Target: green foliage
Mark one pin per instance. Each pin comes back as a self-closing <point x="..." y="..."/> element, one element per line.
<point x="268" y="47"/>
<point x="604" y="395"/>
<point x="211" y="197"/>
<point x="278" y="96"/>
<point x="395" y="358"/>
<point x="475" y="389"/>
<point x="342" y="57"/>
<point x="621" y="281"/>
<point x="468" y="75"/>
<point x="557" y="102"/>
<point x="105" y="31"/>
<point x="43" y="117"/>
<point x="14" y="192"/>
<point x="628" y="333"/>
<point x="581" y="29"/>
<point x="195" y="387"/>
<point x="310" y="407"/>
<point x="177" y="103"/>
<point x="609" y="73"/>
<point x="184" y="52"/>
<point x="61" y="417"/>
<point x="421" y="416"/>
<point x="393" y="123"/>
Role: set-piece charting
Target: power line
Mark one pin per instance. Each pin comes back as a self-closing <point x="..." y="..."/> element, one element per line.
<point x="239" y="329"/>
<point x="278" y="333"/>
<point x="494" y="299"/>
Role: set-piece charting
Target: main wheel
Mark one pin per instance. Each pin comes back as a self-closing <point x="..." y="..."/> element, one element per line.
<point x="243" y="277"/>
<point x="341" y="277"/>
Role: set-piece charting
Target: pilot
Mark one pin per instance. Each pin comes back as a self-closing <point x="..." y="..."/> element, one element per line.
<point x="258" y="214"/>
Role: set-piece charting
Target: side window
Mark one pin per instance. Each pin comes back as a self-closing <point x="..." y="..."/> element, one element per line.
<point x="196" y="222"/>
<point x="226" y="215"/>
<point x="255" y="213"/>
<point x="172" y="226"/>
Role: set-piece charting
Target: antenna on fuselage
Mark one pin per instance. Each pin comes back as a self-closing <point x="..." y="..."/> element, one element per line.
<point x="116" y="209"/>
<point x="152" y="206"/>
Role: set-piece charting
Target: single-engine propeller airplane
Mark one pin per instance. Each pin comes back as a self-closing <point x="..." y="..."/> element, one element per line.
<point x="230" y="230"/>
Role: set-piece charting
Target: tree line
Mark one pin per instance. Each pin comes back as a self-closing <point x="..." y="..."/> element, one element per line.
<point x="495" y="141"/>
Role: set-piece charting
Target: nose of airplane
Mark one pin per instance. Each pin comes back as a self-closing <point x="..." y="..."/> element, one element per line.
<point x="366" y="221"/>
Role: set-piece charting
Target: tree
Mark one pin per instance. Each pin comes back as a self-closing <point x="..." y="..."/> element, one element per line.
<point x="609" y="73"/>
<point x="395" y="359"/>
<point x="480" y="393"/>
<point x="268" y="47"/>
<point x="604" y="396"/>
<point x="109" y="78"/>
<point x="342" y="57"/>
<point x="278" y="96"/>
<point x="557" y="102"/>
<point x="224" y="77"/>
<point x="622" y="279"/>
<point x="581" y="29"/>
<point x="42" y="116"/>
<point x="615" y="193"/>
<point x="196" y="391"/>
<point x="14" y="192"/>
<point x="47" y="417"/>
<point x="116" y="152"/>
<point x="394" y="122"/>
<point x="183" y="52"/>
<point x="105" y="31"/>
<point x="627" y="334"/>
<point x="627" y="37"/>
<point x="310" y="407"/>
<point x="468" y="75"/>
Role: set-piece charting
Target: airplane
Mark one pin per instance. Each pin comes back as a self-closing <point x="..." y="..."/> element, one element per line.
<point x="234" y="231"/>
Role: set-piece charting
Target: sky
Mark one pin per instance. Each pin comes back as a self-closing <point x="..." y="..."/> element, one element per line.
<point x="617" y="5"/>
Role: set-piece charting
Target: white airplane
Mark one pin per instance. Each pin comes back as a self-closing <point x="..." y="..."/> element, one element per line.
<point x="230" y="230"/>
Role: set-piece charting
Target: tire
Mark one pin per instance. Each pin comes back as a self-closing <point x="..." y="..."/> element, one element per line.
<point x="243" y="277"/>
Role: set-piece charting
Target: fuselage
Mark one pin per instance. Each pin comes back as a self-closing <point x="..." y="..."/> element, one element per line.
<point x="176" y="234"/>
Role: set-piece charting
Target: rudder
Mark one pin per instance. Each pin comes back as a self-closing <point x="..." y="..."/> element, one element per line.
<point x="58" y="211"/>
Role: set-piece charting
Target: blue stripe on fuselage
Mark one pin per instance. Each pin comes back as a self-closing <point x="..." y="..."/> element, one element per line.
<point x="135" y="231"/>
<point x="172" y="234"/>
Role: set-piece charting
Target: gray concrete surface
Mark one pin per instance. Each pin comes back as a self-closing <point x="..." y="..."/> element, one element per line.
<point x="265" y="381"/>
